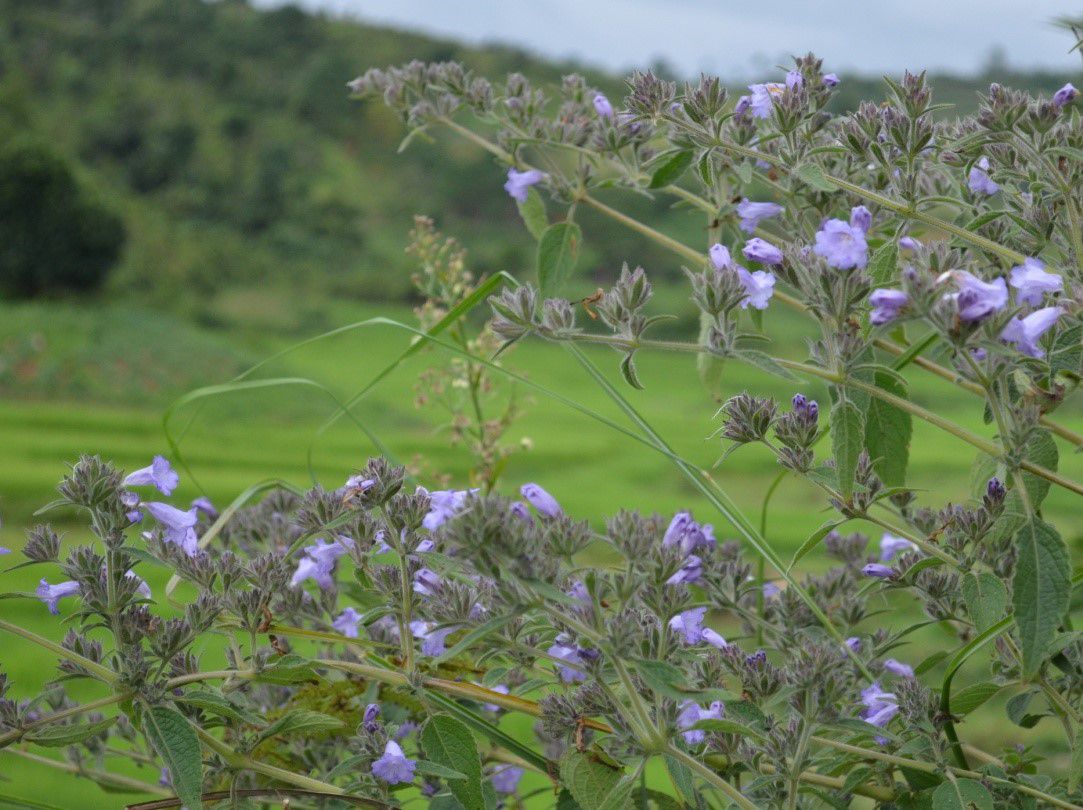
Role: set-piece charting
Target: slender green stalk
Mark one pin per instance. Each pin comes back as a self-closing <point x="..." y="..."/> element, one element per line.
<point x="710" y="776"/>
<point x="18" y="733"/>
<point x="104" y="778"/>
<point x="104" y="674"/>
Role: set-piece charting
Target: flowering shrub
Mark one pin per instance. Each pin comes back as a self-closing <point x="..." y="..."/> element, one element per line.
<point x="376" y="635"/>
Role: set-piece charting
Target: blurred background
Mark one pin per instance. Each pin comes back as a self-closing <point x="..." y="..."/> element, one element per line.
<point x="186" y="188"/>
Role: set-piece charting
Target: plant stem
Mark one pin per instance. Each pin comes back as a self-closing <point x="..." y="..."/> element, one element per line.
<point x="18" y="733"/>
<point x="103" y="778"/>
<point x="104" y="674"/>
<point x="710" y="776"/>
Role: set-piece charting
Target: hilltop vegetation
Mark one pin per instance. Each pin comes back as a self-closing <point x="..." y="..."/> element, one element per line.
<point x="251" y="189"/>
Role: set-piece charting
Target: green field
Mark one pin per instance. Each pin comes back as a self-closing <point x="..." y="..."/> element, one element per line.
<point x="240" y="438"/>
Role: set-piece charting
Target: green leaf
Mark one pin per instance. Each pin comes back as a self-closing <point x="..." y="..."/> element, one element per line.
<point x="300" y="721"/>
<point x="590" y="781"/>
<point x="495" y="735"/>
<point x="811" y="174"/>
<point x="764" y="362"/>
<point x="857" y="776"/>
<point x="618" y="798"/>
<point x="628" y="371"/>
<point x="57" y="736"/>
<point x="962" y="794"/>
<point x="671" y="169"/>
<point x="887" y="432"/>
<point x="211" y="700"/>
<point x="1067" y="352"/>
<point x="432" y="769"/>
<point x="681" y="777"/>
<point x="1075" y="770"/>
<point x="709" y="366"/>
<point x="1017" y="706"/>
<point x="449" y="743"/>
<point x="883" y="263"/>
<point x="473" y="637"/>
<point x="178" y="747"/>
<point x="558" y="250"/>
<point x="814" y="539"/>
<point x="986" y="598"/>
<point x="1040" y="589"/>
<point x="288" y="669"/>
<point x="847" y="441"/>
<point x="971" y="697"/>
<point x="533" y="213"/>
<point x="743" y="170"/>
<point x="728" y="727"/>
<point x="1040" y="450"/>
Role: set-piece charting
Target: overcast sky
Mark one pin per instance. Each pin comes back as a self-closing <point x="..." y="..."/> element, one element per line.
<point x="743" y="38"/>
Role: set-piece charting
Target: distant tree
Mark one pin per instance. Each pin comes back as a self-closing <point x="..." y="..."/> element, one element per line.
<point x="54" y="238"/>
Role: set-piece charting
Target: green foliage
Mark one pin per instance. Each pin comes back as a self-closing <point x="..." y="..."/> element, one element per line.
<point x="176" y="743"/>
<point x="1040" y="589"/>
<point x="54" y="238"/>
<point x="449" y="743"/>
<point x="847" y="441"/>
<point x="558" y="250"/>
<point x="887" y="431"/>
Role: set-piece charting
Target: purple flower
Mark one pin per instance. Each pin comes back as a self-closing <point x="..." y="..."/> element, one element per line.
<point x="1032" y="282"/>
<point x="1024" y="333"/>
<point x="742" y="106"/>
<point x="1066" y="95"/>
<point x="521" y="511"/>
<point x="762" y="99"/>
<point x="841" y="244"/>
<point x="979" y="180"/>
<point x="346" y="622"/>
<point x="564" y="650"/>
<point x="426" y="582"/>
<point x="203" y="504"/>
<point x="506" y="779"/>
<point x="977" y="299"/>
<point x="831" y="80"/>
<point x="517" y="186"/>
<point x="878" y="570"/>
<point x="159" y="474"/>
<point x="886" y="305"/>
<point x="691" y="713"/>
<point x="909" y="243"/>
<point x="861" y="218"/>
<point x="760" y="286"/>
<point x="720" y="257"/>
<point x="358" y="483"/>
<point x="393" y="767"/>
<point x="541" y="500"/>
<point x="880" y="707"/>
<point x="4" y="551"/>
<point x="689" y="623"/>
<point x="443" y="505"/>
<point x="806" y="407"/>
<point x="684" y="532"/>
<point x="579" y="591"/>
<point x="689" y="573"/>
<point x="854" y="643"/>
<point x="794" y="80"/>
<point x="899" y="668"/>
<point x="432" y="641"/>
<point x="318" y="562"/>
<point x="714" y="639"/>
<point x="51" y="594"/>
<point x="602" y="106"/>
<point x="752" y="213"/>
<point x="770" y="590"/>
<point x="143" y="589"/>
<point x="891" y="546"/>
<point x="762" y="251"/>
<point x="178" y="525"/>
<point x="371" y="719"/>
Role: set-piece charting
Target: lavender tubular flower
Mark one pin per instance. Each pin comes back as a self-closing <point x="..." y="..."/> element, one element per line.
<point x="159" y="475"/>
<point x="346" y="622"/>
<point x="898" y="668"/>
<point x="564" y="650"/>
<point x="720" y="257"/>
<point x="444" y="505"/>
<point x="762" y="251"/>
<point x="1033" y="283"/>
<point x="760" y="286"/>
<point x="878" y="570"/>
<point x="689" y="572"/>
<point x="977" y="299"/>
<point x="1066" y="95"/>
<point x="752" y="213"/>
<point x="1024" y="333"/>
<point x="842" y="245"/>
<point x="603" y="107"/>
<point x="762" y="99"/>
<point x="394" y="767"/>
<point x="519" y="183"/>
<point x="891" y="546"/>
<point x="370" y="721"/>
<point x="689" y="624"/>
<point x="887" y="305"/>
<point x="541" y="500"/>
<point x="178" y="525"/>
<point x="52" y="594"/>
<point x="830" y="80"/>
<point x="506" y="779"/>
<point x="979" y="181"/>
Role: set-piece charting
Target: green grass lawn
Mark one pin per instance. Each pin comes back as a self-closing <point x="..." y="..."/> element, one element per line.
<point x="243" y="437"/>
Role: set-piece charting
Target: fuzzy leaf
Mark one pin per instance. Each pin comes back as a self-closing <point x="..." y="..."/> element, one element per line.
<point x="449" y="743"/>
<point x="300" y="721"/>
<point x="211" y="700"/>
<point x="671" y="169"/>
<point x="814" y="539"/>
<point x="558" y="250"/>
<point x="971" y="697"/>
<point x="887" y="432"/>
<point x="812" y="175"/>
<point x="847" y="441"/>
<point x="628" y="371"/>
<point x="178" y="747"/>
<point x="58" y="736"/>
<point x="533" y="213"/>
<point x="590" y="781"/>
<point x="962" y="794"/>
<point x="883" y="263"/>
<point x="1067" y="352"/>
<point x="986" y="599"/>
<point x="1040" y="589"/>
